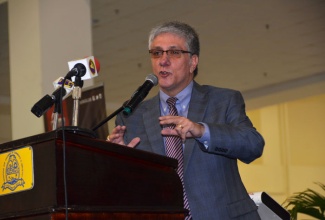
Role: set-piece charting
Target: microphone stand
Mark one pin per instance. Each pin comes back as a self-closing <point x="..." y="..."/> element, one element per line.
<point x="76" y="95"/>
<point x="55" y="114"/>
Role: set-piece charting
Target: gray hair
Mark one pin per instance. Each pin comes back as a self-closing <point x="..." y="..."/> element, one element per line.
<point x="181" y="29"/>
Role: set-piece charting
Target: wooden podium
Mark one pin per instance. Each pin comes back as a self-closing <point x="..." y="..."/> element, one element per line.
<point x="103" y="181"/>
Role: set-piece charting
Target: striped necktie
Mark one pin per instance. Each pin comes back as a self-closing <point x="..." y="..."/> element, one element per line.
<point x="174" y="149"/>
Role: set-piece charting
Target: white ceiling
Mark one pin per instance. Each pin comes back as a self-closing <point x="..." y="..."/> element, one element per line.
<point x="255" y="46"/>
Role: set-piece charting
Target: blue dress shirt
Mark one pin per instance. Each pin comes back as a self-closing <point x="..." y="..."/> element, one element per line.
<point x="182" y="105"/>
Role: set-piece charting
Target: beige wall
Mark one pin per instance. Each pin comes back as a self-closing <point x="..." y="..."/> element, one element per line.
<point x="294" y="153"/>
<point x="43" y="37"/>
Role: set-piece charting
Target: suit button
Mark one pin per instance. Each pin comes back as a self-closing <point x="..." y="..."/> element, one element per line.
<point x="219" y="149"/>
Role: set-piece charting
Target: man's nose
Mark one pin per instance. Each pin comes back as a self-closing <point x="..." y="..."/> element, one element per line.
<point x="164" y="59"/>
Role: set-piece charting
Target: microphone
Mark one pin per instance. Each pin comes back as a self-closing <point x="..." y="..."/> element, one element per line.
<point x="68" y="85"/>
<point x="89" y="69"/>
<point x="85" y="68"/>
<point x="47" y="101"/>
<point x="140" y="94"/>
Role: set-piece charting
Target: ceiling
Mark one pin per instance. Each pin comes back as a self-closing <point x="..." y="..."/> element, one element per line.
<point x="255" y="46"/>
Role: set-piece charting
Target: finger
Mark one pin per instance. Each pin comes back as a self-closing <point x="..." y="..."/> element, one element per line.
<point x="119" y="129"/>
<point x="165" y="117"/>
<point x="169" y="120"/>
<point x="134" y="142"/>
<point x="181" y="130"/>
<point x="168" y="131"/>
<point x="115" y="138"/>
<point x="183" y="136"/>
<point x="174" y="132"/>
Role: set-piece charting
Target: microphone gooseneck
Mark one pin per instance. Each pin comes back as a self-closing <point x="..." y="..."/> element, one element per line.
<point x="139" y="95"/>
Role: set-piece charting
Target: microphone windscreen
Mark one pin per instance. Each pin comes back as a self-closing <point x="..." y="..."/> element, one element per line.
<point x="89" y="63"/>
<point x="97" y="64"/>
<point x="153" y="78"/>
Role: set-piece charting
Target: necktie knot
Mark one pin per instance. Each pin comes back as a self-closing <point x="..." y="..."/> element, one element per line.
<point x="172" y="108"/>
<point x="171" y="101"/>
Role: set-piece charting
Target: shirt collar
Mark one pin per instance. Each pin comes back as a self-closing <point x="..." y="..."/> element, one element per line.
<point x="182" y="103"/>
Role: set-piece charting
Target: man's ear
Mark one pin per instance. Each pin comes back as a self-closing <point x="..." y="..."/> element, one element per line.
<point x="194" y="62"/>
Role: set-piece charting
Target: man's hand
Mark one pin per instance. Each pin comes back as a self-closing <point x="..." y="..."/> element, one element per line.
<point x="185" y="128"/>
<point x="117" y="137"/>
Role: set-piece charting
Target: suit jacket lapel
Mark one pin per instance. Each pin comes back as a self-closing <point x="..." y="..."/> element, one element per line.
<point x="196" y="112"/>
<point x="150" y="117"/>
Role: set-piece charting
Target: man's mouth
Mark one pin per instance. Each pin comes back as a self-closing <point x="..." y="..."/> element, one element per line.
<point x="164" y="73"/>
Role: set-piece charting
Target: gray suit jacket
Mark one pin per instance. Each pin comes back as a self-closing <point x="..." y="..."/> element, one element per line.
<point x="211" y="177"/>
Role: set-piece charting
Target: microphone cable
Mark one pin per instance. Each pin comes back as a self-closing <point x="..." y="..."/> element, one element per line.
<point x="64" y="151"/>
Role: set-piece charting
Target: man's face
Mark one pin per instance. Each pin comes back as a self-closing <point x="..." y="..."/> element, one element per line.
<point x="174" y="74"/>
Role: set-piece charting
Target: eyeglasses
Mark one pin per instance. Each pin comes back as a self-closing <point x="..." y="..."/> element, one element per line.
<point x="155" y="53"/>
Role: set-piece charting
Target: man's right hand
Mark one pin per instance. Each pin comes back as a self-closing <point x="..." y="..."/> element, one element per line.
<point x="117" y="137"/>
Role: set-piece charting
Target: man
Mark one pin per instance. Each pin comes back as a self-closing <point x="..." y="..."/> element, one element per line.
<point x="211" y="123"/>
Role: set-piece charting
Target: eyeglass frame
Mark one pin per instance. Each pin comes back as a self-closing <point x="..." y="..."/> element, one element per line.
<point x="168" y="52"/>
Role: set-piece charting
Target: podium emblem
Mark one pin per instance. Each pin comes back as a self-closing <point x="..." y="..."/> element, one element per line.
<point x="17" y="171"/>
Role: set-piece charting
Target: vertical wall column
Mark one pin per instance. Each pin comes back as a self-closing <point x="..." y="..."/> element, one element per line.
<point x="43" y="36"/>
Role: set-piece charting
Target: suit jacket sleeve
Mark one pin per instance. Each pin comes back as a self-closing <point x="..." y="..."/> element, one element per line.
<point x="231" y="132"/>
